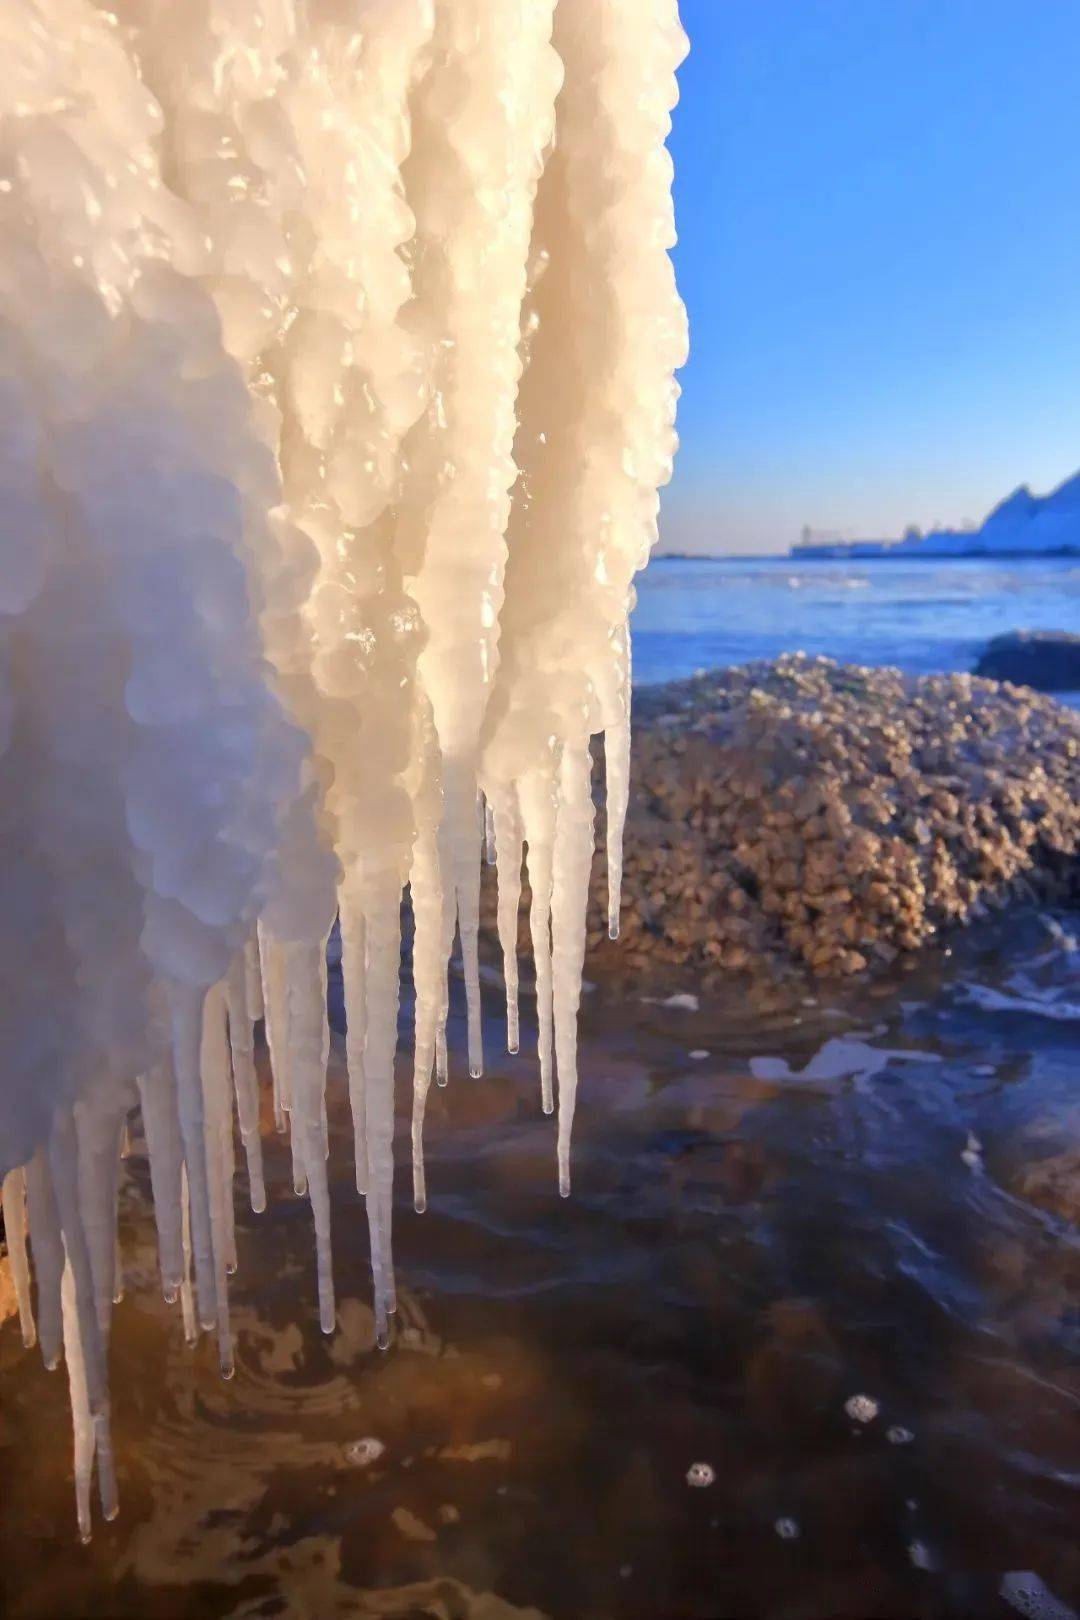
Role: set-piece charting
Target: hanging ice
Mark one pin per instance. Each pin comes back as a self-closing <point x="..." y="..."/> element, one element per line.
<point x="336" y="386"/>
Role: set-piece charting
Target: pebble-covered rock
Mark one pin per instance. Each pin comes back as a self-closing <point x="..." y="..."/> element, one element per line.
<point x="807" y="813"/>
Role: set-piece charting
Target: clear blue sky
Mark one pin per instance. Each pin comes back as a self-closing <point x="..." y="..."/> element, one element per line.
<point x="878" y="204"/>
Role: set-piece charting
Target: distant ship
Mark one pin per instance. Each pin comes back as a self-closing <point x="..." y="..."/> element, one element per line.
<point x="1022" y="525"/>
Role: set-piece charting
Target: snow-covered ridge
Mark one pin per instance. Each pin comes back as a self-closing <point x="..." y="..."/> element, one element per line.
<point x="1020" y="525"/>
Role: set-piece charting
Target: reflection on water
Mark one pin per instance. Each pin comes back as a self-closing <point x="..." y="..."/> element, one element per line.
<point x="794" y="1348"/>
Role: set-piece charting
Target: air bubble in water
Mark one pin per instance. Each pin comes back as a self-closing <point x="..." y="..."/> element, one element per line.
<point x="863" y="1408"/>
<point x="363" y="1452"/>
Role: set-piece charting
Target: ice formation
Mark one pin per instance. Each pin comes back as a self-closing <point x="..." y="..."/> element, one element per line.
<point x="337" y="345"/>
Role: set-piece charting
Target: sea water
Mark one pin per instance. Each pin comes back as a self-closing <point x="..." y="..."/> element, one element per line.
<point x="802" y="1343"/>
<point x="925" y="617"/>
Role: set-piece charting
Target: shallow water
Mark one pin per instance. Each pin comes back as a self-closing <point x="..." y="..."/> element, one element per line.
<point x="924" y="617"/>
<point x="641" y="1402"/>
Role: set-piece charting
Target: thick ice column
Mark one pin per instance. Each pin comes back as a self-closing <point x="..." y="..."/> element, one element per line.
<point x="594" y="443"/>
<point x="261" y="432"/>
<point x="155" y="764"/>
<point x="482" y="117"/>
<point x="14" y="1203"/>
<point x="307" y="275"/>
<point x="353" y="383"/>
<point x="615" y="182"/>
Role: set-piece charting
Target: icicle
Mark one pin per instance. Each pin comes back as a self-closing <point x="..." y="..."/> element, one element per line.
<point x="217" y="1122"/>
<point x="305" y="989"/>
<point x="164" y="1146"/>
<point x="47" y="1248"/>
<point x="187" y="1042"/>
<point x="327" y="496"/>
<point x="276" y="1004"/>
<point x="239" y="985"/>
<point x="228" y="1158"/>
<point x="86" y="1342"/>
<point x="275" y="1014"/>
<point x="429" y="981"/>
<point x="509" y="848"/>
<point x="64" y="1169"/>
<point x="99" y="1122"/>
<point x="468" y="915"/>
<point x="482" y="117"/>
<point x="489" y="833"/>
<point x="383" y="912"/>
<point x="354" y="979"/>
<point x="537" y="797"/>
<point x="14" y="1200"/>
<point x="617" y="781"/>
<point x="81" y="1421"/>
<point x="253" y="996"/>
<point x="569" y="896"/>
<point x="187" y="1298"/>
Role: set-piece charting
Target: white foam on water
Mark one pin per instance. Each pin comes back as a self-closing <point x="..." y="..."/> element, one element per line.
<point x="840" y="1058"/>
<point x="1029" y="1595"/>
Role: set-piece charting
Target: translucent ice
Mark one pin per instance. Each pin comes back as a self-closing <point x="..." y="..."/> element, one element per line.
<point x="337" y="352"/>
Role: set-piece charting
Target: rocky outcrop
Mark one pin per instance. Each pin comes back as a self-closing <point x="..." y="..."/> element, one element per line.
<point x="1048" y="660"/>
<point x="1053" y="1183"/>
<point x="809" y="815"/>
<point x="805" y="812"/>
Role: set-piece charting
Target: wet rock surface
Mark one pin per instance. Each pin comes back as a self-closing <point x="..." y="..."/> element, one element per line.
<point x="1046" y="659"/>
<point x="802" y="814"/>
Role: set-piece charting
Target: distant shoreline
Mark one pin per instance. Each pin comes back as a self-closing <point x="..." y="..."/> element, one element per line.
<point x="1064" y="553"/>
